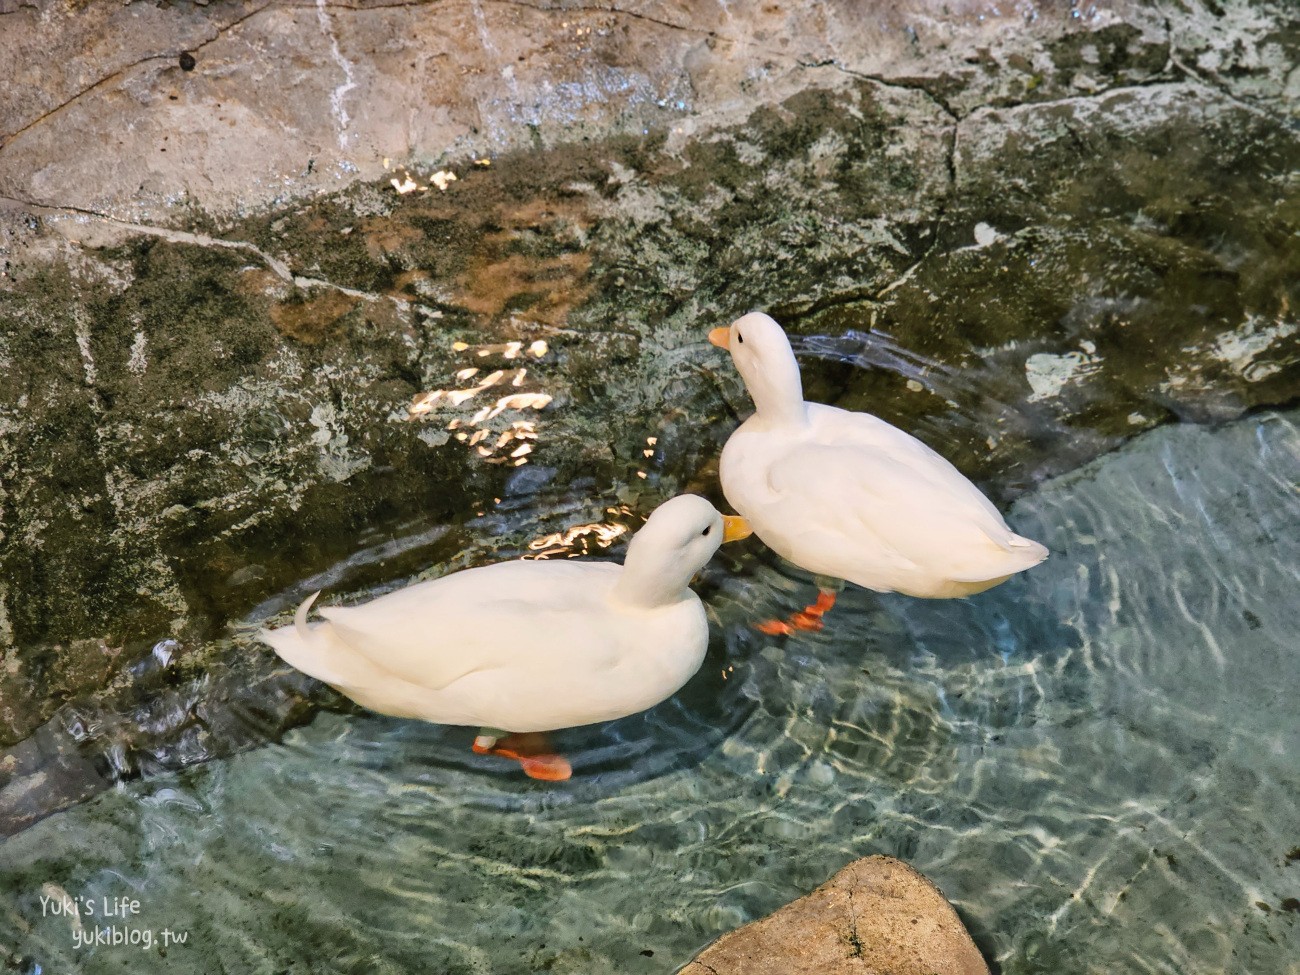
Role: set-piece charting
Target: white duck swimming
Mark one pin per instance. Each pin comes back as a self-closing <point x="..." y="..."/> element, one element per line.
<point x="522" y="647"/>
<point x="849" y="496"/>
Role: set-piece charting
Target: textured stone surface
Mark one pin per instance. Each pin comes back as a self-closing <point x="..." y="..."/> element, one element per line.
<point x="1024" y="234"/>
<point x="877" y="916"/>
<point x="291" y="98"/>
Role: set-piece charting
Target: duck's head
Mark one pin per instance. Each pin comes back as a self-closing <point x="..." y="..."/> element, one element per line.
<point x="676" y="542"/>
<point x="762" y="354"/>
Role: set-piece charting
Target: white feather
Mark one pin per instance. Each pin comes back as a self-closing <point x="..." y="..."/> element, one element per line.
<point x="848" y="495"/>
<point x="524" y="646"/>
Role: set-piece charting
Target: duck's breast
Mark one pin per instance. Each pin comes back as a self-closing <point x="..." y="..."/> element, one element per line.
<point x="745" y="467"/>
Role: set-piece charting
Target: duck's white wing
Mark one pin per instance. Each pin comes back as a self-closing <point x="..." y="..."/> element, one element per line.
<point x="882" y="498"/>
<point x="436" y="632"/>
<point x="835" y="427"/>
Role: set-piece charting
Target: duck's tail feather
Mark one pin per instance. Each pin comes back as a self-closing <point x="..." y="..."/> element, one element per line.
<point x="1022" y="550"/>
<point x="318" y="651"/>
<point x="311" y="648"/>
<point x="1033" y="552"/>
<point x="1009" y="554"/>
<point x="300" y="617"/>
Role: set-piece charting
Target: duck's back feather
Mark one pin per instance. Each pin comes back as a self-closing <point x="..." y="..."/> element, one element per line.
<point x="438" y="631"/>
<point x="522" y="646"/>
<point x="854" y="497"/>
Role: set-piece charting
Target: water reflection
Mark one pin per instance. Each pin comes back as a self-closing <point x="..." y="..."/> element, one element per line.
<point x="1093" y="759"/>
<point x="581" y="539"/>
<point x="492" y="445"/>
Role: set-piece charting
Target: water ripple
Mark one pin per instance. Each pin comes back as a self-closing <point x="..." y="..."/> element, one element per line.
<point x="1095" y="761"/>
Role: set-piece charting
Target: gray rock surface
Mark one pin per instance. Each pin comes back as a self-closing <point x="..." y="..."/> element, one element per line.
<point x="229" y="293"/>
<point x="877" y="916"/>
<point x="287" y="99"/>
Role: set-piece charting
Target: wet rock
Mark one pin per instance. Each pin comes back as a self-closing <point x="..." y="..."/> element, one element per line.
<point x="1102" y="257"/>
<point x="876" y="915"/>
<point x="45" y="770"/>
<point x="1244" y="49"/>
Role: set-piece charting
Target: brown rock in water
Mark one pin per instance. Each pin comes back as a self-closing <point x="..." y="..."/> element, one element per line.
<point x="875" y="916"/>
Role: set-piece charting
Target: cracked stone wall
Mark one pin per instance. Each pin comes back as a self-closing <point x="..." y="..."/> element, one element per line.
<point x="255" y="341"/>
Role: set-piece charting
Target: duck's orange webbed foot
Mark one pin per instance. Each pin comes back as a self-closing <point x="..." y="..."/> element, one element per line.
<point x="531" y="750"/>
<point x="809" y="619"/>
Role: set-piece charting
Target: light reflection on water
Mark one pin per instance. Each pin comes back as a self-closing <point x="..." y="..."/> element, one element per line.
<point x="515" y="441"/>
<point x="1095" y="761"/>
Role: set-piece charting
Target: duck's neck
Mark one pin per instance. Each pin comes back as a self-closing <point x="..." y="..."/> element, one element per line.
<point x="648" y="579"/>
<point x="777" y="392"/>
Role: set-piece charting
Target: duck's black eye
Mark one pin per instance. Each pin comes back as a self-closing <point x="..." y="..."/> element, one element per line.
<point x="740" y="338"/>
<point x="707" y="530"/>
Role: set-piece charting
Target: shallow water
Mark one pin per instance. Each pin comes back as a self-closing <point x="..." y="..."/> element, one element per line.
<point x="1096" y="762"/>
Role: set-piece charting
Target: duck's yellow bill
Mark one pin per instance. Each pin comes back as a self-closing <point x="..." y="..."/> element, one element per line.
<point x="721" y="336"/>
<point x="734" y="528"/>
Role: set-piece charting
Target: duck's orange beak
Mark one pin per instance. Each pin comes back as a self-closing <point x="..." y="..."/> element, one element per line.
<point x="734" y="528"/>
<point x="721" y="336"/>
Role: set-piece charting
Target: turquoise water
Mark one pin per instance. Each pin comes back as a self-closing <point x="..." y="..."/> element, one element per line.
<point x="1097" y="762"/>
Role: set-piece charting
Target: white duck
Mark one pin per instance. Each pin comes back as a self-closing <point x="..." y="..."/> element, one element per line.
<point x="848" y="496"/>
<point x="524" y="647"/>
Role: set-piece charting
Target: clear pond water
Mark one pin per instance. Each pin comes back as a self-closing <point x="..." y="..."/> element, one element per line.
<point x="1097" y="762"/>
